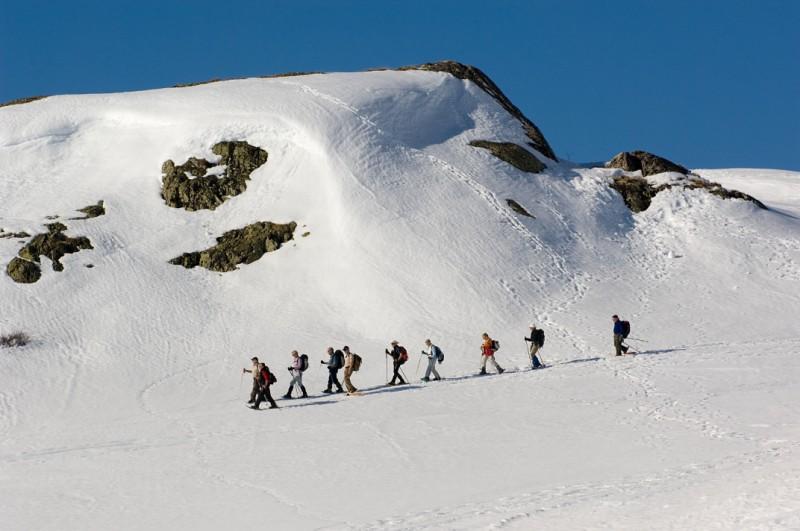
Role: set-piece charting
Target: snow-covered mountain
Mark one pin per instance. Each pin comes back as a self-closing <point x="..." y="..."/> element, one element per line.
<point x="358" y="208"/>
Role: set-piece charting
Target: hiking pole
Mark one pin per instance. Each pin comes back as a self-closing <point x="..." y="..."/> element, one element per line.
<point x="241" y="381"/>
<point x="404" y="374"/>
<point x="386" y="365"/>
<point x="530" y="358"/>
<point x="636" y="339"/>
<point x="416" y="373"/>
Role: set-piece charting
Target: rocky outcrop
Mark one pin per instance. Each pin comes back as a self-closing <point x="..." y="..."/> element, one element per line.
<point x="20" y="101"/>
<point x="53" y="244"/>
<point x="462" y="71"/>
<point x="648" y="163"/>
<point x="4" y="234"/>
<point x="638" y="192"/>
<point x="92" y="211"/>
<point x="196" y="185"/>
<point x="514" y="154"/>
<point x="519" y="209"/>
<point x="23" y="271"/>
<point x="239" y="246"/>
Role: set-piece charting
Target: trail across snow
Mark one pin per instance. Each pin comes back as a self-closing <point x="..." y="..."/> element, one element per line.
<point x="126" y="411"/>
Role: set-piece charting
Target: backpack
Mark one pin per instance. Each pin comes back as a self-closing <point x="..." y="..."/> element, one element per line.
<point x="440" y="356"/>
<point x="272" y="378"/>
<point x="626" y="328"/>
<point x="303" y="362"/>
<point x="356" y="362"/>
<point x="538" y="337"/>
<point x="403" y="355"/>
<point x="338" y="359"/>
<point x="495" y="345"/>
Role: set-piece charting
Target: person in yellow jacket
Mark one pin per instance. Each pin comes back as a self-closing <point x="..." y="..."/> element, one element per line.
<point x="488" y="348"/>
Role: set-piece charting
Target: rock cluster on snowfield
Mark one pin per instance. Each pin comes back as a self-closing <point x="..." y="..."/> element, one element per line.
<point x="92" y="211"/>
<point x="239" y="246"/>
<point x="638" y="192"/>
<point x="200" y="191"/>
<point x="4" y="234"/>
<point x="54" y="244"/>
<point x="462" y="71"/>
<point x="648" y="163"/>
<point x="519" y="209"/>
<point x="514" y="154"/>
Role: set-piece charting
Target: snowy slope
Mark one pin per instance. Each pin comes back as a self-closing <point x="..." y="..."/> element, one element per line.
<point x="126" y="411"/>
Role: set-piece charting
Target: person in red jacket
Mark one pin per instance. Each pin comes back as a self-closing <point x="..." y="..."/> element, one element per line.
<point x="487" y="354"/>
<point x="264" y="383"/>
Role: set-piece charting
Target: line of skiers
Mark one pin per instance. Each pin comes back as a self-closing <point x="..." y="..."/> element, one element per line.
<point x="263" y="378"/>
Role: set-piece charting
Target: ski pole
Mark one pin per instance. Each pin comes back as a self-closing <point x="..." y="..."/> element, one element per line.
<point x="636" y="339"/>
<point x="241" y="380"/>
<point x="404" y="375"/>
<point x="416" y="373"/>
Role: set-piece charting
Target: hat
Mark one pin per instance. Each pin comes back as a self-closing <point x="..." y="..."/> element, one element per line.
<point x="615" y="316"/>
<point x="395" y="342"/>
<point x="532" y="326"/>
<point x="253" y="359"/>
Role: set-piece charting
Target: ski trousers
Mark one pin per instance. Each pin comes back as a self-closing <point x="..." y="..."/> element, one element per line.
<point x="333" y="379"/>
<point x="490" y="359"/>
<point x="431" y="368"/>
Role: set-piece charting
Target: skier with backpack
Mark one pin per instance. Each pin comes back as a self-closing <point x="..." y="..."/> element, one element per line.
<point x="399" y="357"/>
<point x="265" y="379"/>
<point x="352" y="363"/>
<point x="298" y="367"/>
<point x="435" y="355"/>
<point x="334" y="363"/>
<point x="488" y="348"/>
<point x="621" y="331"/>
<point x="537" y="341"/>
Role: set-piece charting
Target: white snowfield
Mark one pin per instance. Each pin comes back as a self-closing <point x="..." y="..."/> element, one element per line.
<point x="127" y="410"/>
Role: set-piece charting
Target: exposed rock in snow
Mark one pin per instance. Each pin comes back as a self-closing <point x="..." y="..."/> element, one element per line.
<point x="519" y="209"/>
<point x="648" y="163"/>
<point x="53" y="244"/>
<point x="92" y="211"/>
<point x="202" y="188"/>
<point x="514" y="154"/>
<point x="239" y="246"/>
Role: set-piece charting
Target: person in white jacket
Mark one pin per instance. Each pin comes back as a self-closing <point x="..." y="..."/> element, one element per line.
<point x="296" y="369"/>
<point x="434" y="353"/>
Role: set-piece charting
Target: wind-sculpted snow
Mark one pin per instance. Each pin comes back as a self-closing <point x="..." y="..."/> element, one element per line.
<point x="131" y="394"/>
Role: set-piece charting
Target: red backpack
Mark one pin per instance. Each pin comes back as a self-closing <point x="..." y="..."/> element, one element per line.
<point x="403" y="355"/>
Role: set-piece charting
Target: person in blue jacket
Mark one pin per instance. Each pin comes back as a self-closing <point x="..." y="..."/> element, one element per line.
<point x="618" y="336"/>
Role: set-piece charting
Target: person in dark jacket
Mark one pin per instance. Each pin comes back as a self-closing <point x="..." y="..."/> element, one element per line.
<point x="537" y="341"/>
<point x="334" y="363"/>
<point x="399" y="357"/>
<point x="264" y="383"/>
<point x="618" y="337"/>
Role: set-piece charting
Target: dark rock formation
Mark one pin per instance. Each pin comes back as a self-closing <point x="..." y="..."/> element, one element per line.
<point x="23" y="271"/>
<point x="638" y="193"/>
<point x="20" y="101"/>
<point x="519" y="209"/>
<point x="239" y="246"/>
<point x="53" y="244"/>
<point x="462" y="71"/>
<point x="92" y="211"/>
<point x="648" y="163"/>
<point x="203" y="191"/>
<point x="4" y="234"/>
<point x="514" y="154"/>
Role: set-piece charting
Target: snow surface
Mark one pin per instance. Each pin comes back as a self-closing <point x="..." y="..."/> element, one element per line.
<point x="126" y="412"/>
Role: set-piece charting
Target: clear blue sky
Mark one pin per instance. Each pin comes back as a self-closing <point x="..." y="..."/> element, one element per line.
<point x="706" y="83"/>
